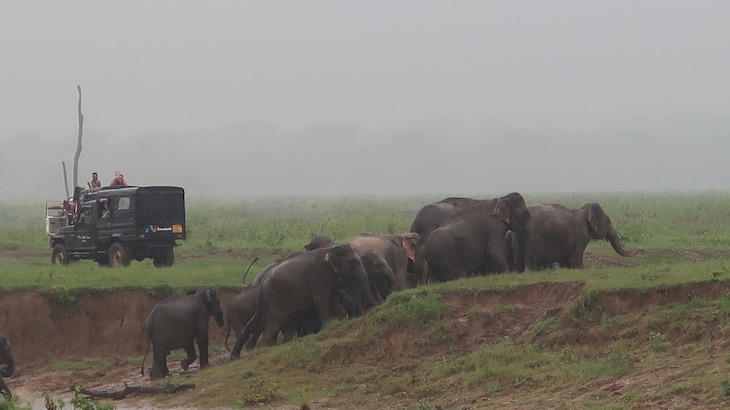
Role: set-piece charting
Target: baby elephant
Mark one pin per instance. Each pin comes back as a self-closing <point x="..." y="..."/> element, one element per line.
<point x="175" y="323"/>
<point x="6" y="359"/>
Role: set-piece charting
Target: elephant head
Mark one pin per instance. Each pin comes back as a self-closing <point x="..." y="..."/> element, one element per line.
<point x="344" y="261"/>
<point x="600" y="227"/>
<point x="512" y="211"/>
<point x="414" y="249"/>
<point x="319" y="242"/>
<point x="212" y="304"/>
<point x="380" y="275"/>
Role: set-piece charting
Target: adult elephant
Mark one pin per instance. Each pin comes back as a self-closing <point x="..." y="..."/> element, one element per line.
<point x="177" y="322"/>
<point x="431" y="216"/>
<point x="398" y="251"/>
<point x="561" y="234"/>
<point x="8" y="362"/>
<point x="241" y="309"/>
<point x="473" y="239"/>
<point x="304" y="281"/>
<point x="380" y="274"/>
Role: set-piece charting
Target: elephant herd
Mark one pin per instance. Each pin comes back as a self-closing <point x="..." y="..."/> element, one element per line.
<point x="448" y="239"/>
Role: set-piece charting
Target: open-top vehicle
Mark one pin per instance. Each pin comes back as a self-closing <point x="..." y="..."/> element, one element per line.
<point x="114" y="225"/>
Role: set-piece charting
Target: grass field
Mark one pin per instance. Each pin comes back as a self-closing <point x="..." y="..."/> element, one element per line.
<point x="224" y="237"/>
<point x="643" y="332"/>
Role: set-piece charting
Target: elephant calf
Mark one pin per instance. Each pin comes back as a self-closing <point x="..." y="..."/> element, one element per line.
<point x="6" y="359"/>
<point x="176" y="323"/>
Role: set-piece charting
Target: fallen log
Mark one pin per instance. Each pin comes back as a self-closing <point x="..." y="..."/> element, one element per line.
<point x="118" y="395"/>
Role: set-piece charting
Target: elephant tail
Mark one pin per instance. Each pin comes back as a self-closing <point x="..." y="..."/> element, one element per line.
<point x="243" y="281"/>
<point x="145" y="356"/>
<point x="228" y="333"/>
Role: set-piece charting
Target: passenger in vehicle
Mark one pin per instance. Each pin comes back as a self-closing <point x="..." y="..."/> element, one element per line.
<point x="118" y="180"/>
<point x="95" y="182"/>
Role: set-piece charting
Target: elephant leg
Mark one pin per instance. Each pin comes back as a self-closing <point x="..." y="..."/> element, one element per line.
<point x="159" y="363"/>
<point x="271" y="330"/>
<point x="5" y="390"/>
<point x="236" y="351"/>
<point x="190" y="350"/>
<point x="497" y="263"/>
<point x="203" y="349"/>
<point x="575" y="260"/>
<point x="289" y="329"/>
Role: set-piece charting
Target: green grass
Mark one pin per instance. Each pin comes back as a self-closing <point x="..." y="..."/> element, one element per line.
<point x="404" y="352"/>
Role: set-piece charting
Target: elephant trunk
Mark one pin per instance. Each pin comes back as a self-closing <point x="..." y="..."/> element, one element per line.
<point x="612" y="237"/>
<point x="391" y="279"/>
<point x="9" y="368"/>
<point x="369" y="300"/>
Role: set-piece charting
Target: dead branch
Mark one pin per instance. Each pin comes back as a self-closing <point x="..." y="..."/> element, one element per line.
<point x="65" y="178"/>
<point x="118" y="395"/>
<point x="78" y="143"/>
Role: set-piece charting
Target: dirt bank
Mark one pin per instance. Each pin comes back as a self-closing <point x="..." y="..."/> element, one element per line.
<point x="96" y="324"/>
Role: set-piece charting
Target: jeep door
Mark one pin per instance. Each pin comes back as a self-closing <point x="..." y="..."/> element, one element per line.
<point x="85" y="227"/>
<point x="104" y="224"/>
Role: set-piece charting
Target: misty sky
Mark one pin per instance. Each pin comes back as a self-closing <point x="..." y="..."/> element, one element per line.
<point x="243" y="98"/>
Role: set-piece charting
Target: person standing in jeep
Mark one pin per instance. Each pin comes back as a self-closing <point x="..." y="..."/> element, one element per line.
<point x="94" y="183"/>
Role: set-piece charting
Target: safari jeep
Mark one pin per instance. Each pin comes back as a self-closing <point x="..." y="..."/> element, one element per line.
<point x="114" y="225"/>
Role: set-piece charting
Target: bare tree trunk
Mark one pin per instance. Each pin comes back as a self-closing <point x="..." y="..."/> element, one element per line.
<point x="65" y="178"/>
<point x="78" y="143"/>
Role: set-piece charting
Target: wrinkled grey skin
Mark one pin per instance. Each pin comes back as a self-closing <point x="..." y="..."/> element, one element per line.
<point x="561" y="234"/>
<point x="241" y="309"/>
<point x="431" y="216"/>
<point x="473" y="239"/>
<point x="8" y="362"/>
<point x="397" y="250"/>
<point x="304" y="281"/>
<point x="176" y="323"/>
<point x="380" y="275"/>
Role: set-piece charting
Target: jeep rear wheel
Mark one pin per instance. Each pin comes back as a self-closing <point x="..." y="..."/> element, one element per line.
<point x="164" y="259"/>
<point x="119" y="255"/>
<point x="59" y="255"/>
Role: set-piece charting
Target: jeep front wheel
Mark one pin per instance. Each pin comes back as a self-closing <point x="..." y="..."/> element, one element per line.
<point x="119" y="255"/>
<point x="59" y="255"/>
<point x="164" y="259"/>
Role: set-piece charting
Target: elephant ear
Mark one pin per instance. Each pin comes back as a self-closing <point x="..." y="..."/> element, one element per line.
<point x="502" y="211"/>
<point x="595" y="218"/>
<point x="410" y="242"/>
<point x="328" y="258"/>
<point x="208" y="296"/>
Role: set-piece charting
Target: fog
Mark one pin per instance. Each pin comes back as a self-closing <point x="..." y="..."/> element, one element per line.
<point x="246" y="99"/>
